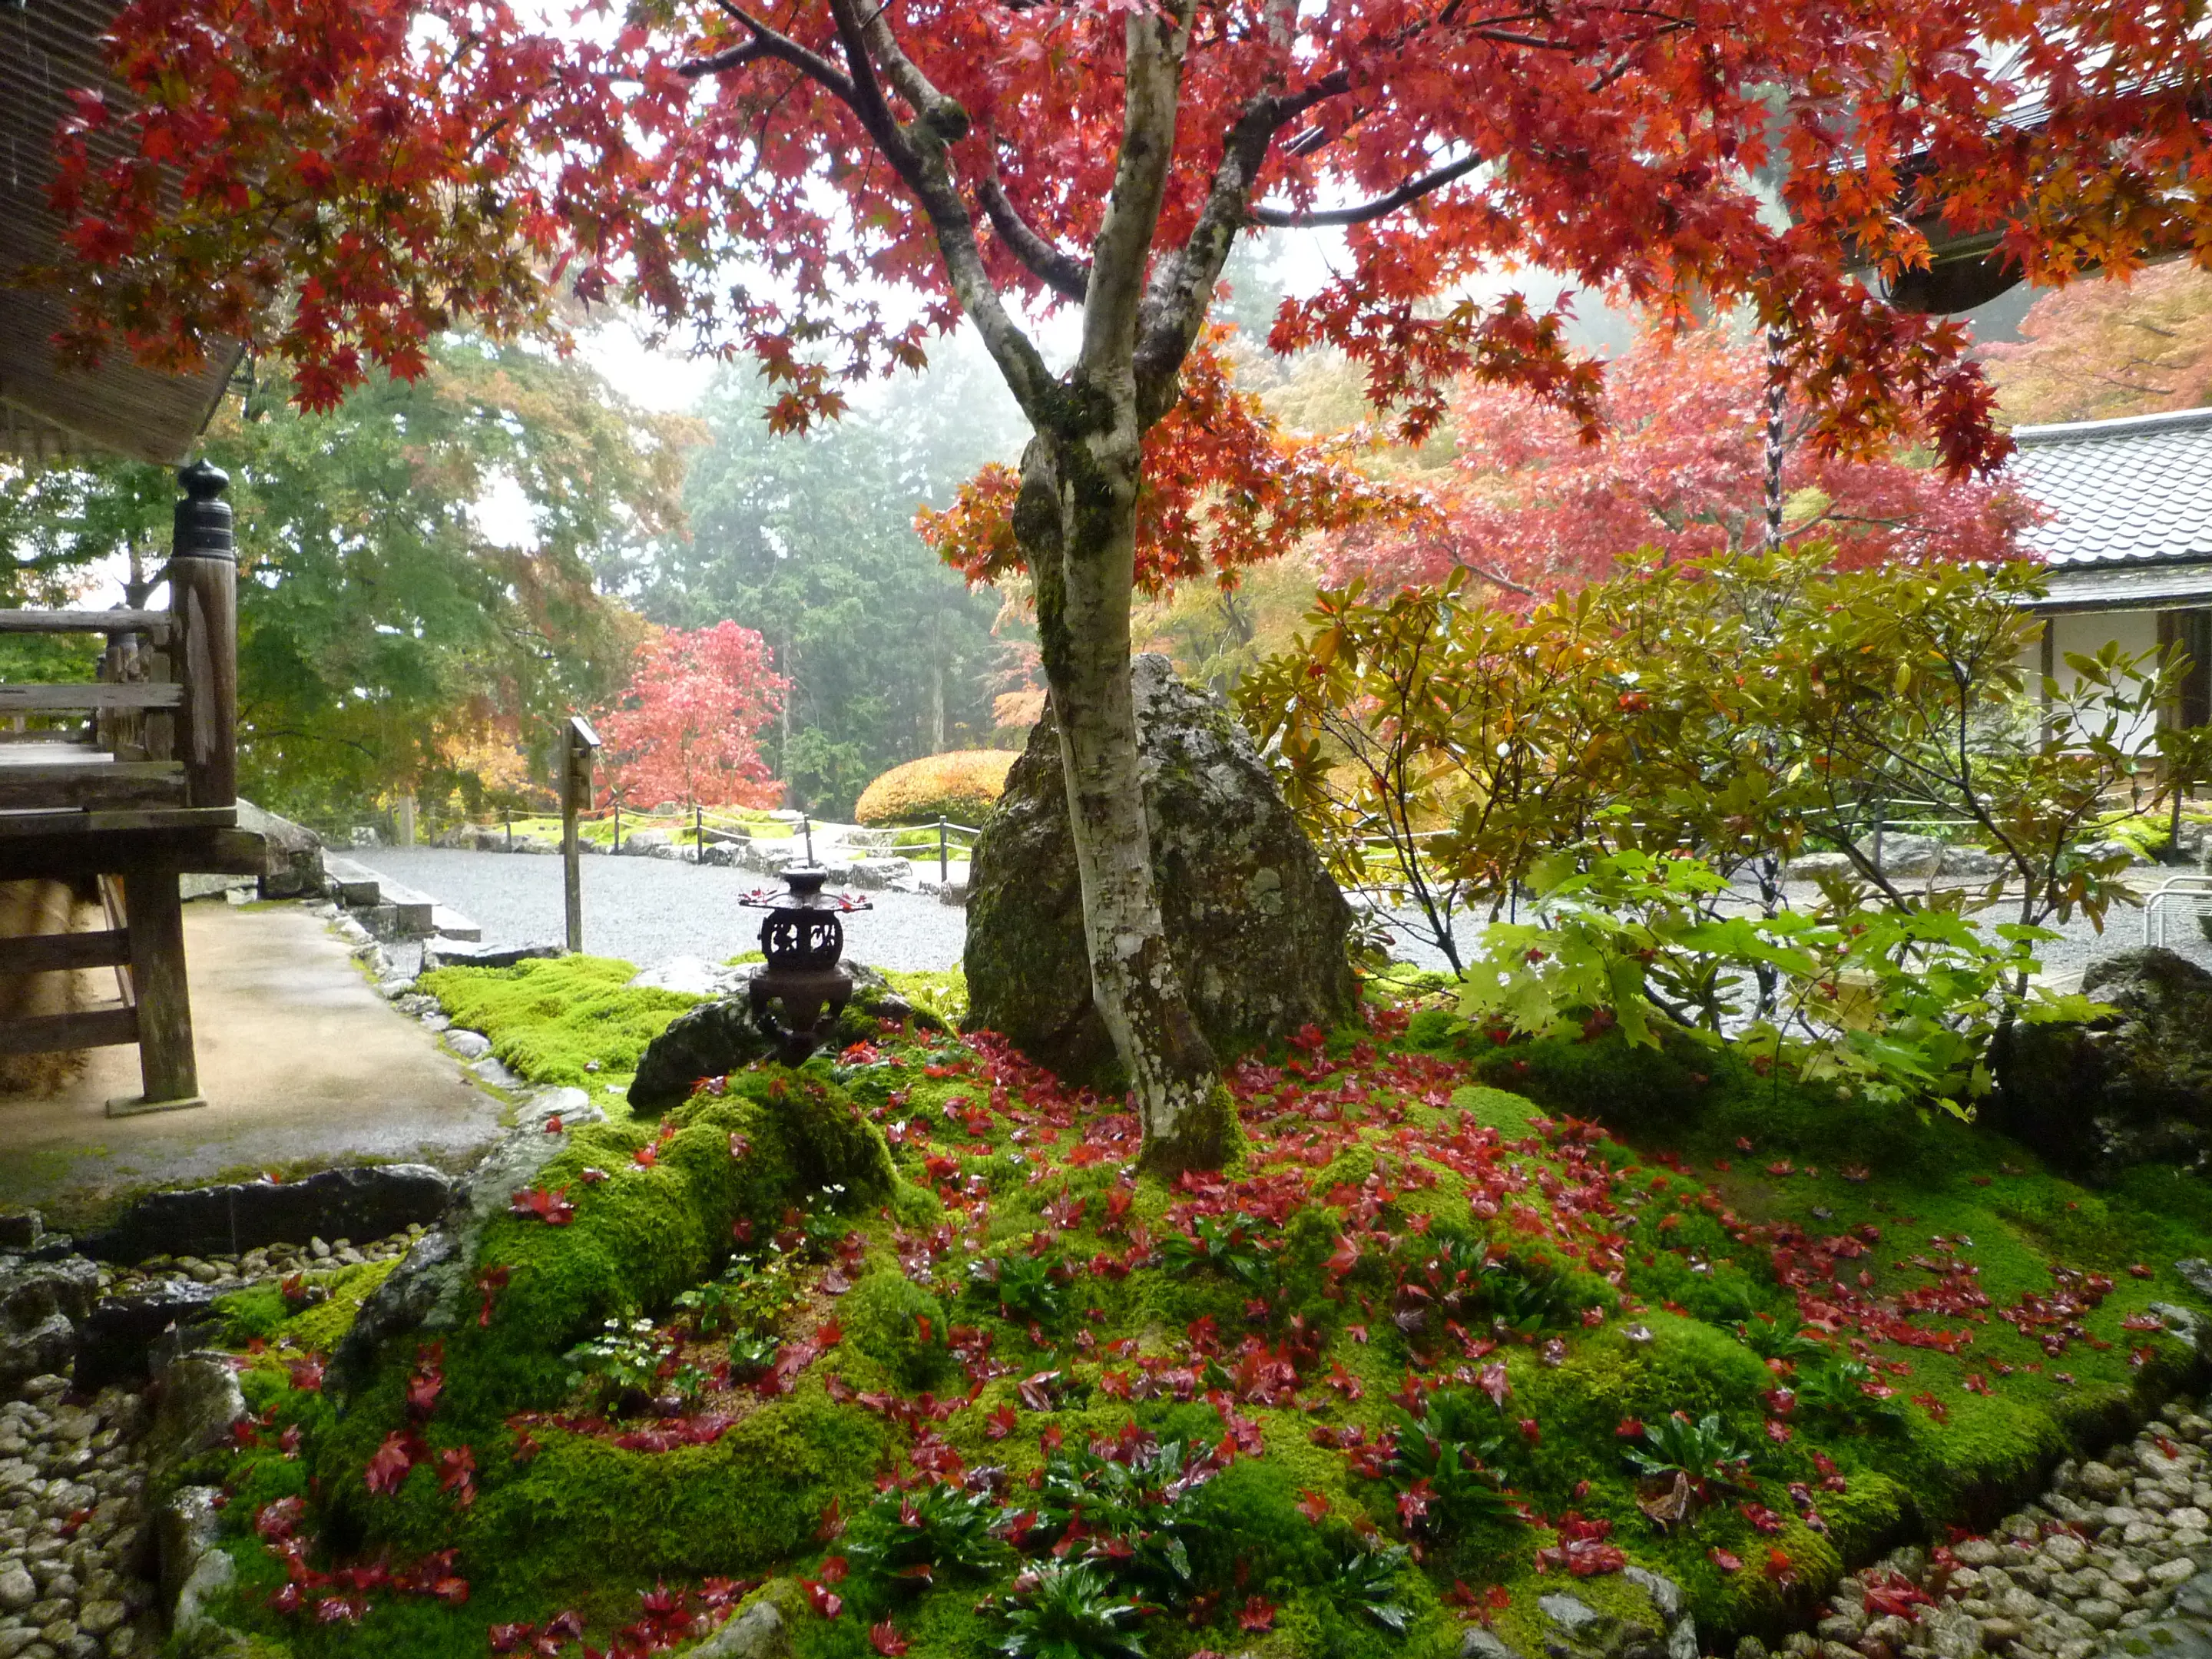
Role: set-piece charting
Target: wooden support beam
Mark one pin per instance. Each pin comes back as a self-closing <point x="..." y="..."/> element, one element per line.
<point x="85" y="621"/>
<point x="201" y="850"/>
<point x="165" y="1062"/>
<point x="54" y="1034"/>
<point x="90" y="694"/>
<point x="91" y="784"/>
<point x="53" y="953"/>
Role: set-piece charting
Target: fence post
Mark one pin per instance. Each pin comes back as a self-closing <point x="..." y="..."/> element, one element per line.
<point x="698" y="832"/>
<point x="617" y="846"/>
<point x="943" y="869"/>
<point x="806" y="826"/>
<point x="203" y="644"/>
<point x="506" y="820"/>
<point x="575" y="790"/>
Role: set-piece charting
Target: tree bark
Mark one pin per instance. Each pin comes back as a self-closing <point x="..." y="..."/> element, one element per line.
<point x="1077" y="522"/>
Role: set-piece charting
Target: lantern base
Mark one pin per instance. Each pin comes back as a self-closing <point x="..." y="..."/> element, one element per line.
<point x="810" y="1000"/>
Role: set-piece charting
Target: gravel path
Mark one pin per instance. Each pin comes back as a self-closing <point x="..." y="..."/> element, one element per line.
<point x="650" y="910"/>
<point x="2111" y="1562"/>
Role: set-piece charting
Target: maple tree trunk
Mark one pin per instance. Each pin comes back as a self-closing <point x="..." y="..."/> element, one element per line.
<point x="1078" y="521"/>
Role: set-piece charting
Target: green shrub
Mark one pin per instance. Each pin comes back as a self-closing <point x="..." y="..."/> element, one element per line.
<point x="962" y="786"/>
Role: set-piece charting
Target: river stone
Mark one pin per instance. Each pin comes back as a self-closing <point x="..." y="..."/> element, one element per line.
<point x="196" y="1399"/>
<point x="194" y="1568"/>
<point x="41" y="1305"/>
<point x="719" y="1037"/>
<point x="433" y="1287"/>
<point x="2134" y="1087"/>
<point x="758" y="1632"/>
<point x="115" y="1344"/>
<point x="1256" y="926"/>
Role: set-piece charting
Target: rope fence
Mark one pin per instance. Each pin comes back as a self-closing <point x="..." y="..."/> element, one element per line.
<point x="707" y="826"/>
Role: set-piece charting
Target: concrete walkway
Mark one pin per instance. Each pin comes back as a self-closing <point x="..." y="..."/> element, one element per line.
<point x="302" y="1063"/>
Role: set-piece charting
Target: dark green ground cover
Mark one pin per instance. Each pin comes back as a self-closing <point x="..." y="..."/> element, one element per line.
<point x="1396" y="1361"/>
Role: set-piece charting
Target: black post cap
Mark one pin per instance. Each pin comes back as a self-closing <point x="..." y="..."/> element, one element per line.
<point x="204" y="518"/>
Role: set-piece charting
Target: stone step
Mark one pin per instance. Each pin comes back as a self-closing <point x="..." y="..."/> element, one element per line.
<point x="356" y="886"/>
<point x="449" y="923"/>
<point x="359" y="888"/>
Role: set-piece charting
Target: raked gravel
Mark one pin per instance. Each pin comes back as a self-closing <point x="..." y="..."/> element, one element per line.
<point x="2112" y="1560"/>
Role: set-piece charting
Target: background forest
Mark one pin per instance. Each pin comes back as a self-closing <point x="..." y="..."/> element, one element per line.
<point x="436" y="572"/>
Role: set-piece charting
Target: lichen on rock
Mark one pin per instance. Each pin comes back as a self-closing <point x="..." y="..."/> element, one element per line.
<point x="1256" y="926"/>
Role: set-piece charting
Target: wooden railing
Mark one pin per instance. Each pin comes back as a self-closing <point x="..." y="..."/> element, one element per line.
<point x="144" y="789"/>
<point x="158" y="748"/>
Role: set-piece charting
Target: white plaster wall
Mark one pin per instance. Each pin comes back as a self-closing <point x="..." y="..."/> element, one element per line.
<point x="2085" y="634"/>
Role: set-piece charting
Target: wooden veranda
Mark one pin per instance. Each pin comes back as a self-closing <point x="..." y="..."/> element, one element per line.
<point x="131" y="781"/>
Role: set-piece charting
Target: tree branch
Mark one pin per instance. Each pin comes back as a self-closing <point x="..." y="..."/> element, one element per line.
<point x="1182" y="286"/>
<point x="767" y="42"/>
<point x="1062" y="273"/>
<point x="1412" y="190"/>
<point x="918" y="153"/>
<point x="1152" y="83"/>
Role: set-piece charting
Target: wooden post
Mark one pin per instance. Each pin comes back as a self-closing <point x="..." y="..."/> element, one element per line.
<point x="698" y="832"/>
<point x="204" y="600"/>
<point x="403" y="819"/>
<point x="166" y="1066"/>
<point x="575" y="790"/>
<point x="943" y="873"/>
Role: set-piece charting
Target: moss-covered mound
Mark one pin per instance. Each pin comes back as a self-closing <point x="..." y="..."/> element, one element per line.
<point x="549" y="1019"/>
<point x="909" y="1343"/>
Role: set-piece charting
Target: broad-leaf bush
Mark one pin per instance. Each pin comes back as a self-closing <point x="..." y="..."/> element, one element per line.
<point x="1647" y="755"/>
<point x="961" y="786"/>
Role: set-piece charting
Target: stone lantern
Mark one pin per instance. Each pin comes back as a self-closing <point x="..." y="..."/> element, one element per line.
<point x="797" y="995"/>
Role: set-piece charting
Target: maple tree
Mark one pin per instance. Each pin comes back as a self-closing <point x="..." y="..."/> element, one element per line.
<point x="686" y="729"/>
<point x="2107" y="349"/>
<point x="394" y="638"/>
<point x="340" y="179"/>
<point x="1530" y="507"/>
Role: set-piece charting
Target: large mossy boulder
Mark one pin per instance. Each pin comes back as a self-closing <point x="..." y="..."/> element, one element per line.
<point x="1255" y="925"/>
<point x="2134" y="1087"/>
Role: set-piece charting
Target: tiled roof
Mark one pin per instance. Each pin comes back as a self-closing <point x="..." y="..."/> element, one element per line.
<point x="2128" y="491"/>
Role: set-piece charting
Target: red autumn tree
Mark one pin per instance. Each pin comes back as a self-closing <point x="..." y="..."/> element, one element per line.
<point x="1682" y="468"/>
<point x="340" y="178"/>
<point x="683" y="728"/>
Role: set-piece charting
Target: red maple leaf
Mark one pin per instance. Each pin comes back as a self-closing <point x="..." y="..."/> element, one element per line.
<point x="552" y="1208"/>
<point x="886" y="1640"/>
<point x="1312" y="1505"/>
<point x="457" y="1474"/>
<point x="1257" y="1615"/>
<point x="389" y="1463"/>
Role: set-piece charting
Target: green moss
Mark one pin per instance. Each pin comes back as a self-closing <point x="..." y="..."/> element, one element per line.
<point x="941" y="991"/>
<point x="902" y="1326"/>
<point x="262" y="1313"/>
<point x="550" y="1019"/>
<point x="1665" y="1258"/>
